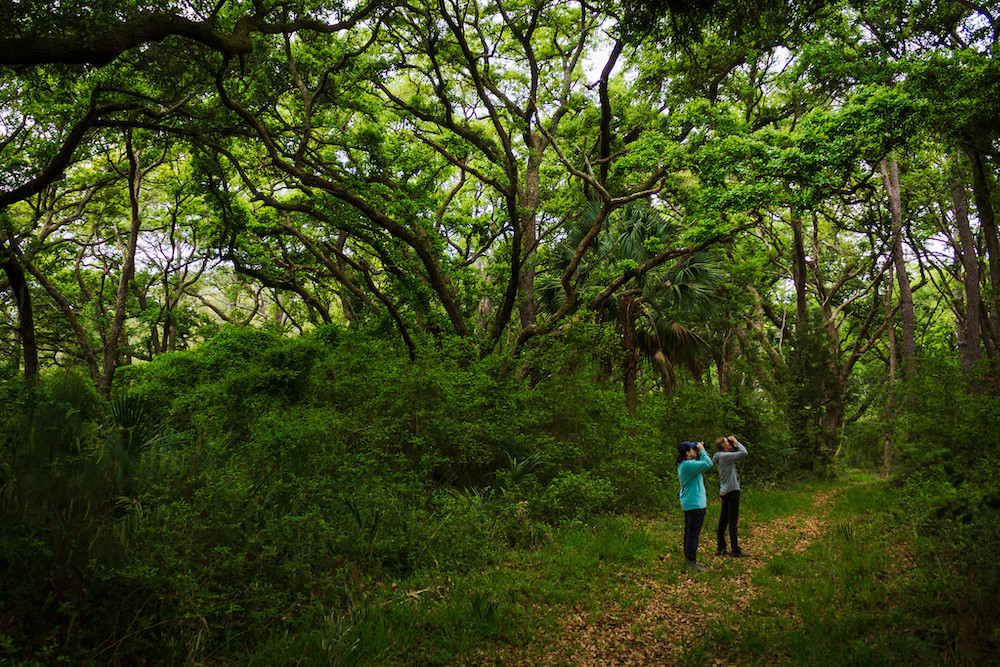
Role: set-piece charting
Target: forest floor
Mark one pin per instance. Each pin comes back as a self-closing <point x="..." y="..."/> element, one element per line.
<point x="659" y="614"/>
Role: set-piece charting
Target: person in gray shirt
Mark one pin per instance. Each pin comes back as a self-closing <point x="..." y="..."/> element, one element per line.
<point x="729" y="450"/>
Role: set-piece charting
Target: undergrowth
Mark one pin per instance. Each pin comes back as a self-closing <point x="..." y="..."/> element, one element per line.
<point x="323" y="502"/>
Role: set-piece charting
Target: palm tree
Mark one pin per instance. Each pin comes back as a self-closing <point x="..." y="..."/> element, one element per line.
<point x="644" y="306"/>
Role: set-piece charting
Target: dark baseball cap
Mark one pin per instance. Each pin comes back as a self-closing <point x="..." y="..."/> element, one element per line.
<point x="686" y="445"/>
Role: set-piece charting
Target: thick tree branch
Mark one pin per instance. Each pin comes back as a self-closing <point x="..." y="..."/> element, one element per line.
<point x="55" y="168"/>
<point x="103" y="47"/>
<point x="652" y="263"/>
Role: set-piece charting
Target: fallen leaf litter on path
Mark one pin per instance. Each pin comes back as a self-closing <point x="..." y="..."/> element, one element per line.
<point x="667" y="618"/>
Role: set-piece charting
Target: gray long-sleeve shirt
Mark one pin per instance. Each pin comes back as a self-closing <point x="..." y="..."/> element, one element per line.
<point x="725" y="462"/>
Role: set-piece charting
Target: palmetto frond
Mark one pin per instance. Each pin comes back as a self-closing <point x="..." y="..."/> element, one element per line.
<point x="600" y="249"/>
<point x="669" y="345"/>
<point x="631" y="237"/>
<point x="521" y="468"/>
<point x="136" y="428"/>
<point x="683" y="346"/>
<point x="667" y="376"/>
<point x="641" y="230"/>
<point x="646" y="307"/>
<point x="550" y="294"/>
<point x="689" y="284"/>
<point x="135" y="433"/>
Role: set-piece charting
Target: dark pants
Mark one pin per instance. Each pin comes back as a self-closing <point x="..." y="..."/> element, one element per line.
<point x="693" y="520"/>
<point x="729" y="516"/>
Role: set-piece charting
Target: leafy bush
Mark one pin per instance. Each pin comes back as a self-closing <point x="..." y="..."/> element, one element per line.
<point x="941" y="414"/>
<point x="948" y="472"/>
<point x="694" y="412"/>
<point x="258" y="486"/>
<point x="954" y="509"/>
<point x="576" y="496"/>
<point x="59" y="513"/>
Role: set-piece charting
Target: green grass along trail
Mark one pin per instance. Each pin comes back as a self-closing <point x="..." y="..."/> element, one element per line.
<point x="655" y="613"/>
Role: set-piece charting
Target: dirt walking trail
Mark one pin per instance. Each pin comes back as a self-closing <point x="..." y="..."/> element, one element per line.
<point x="670" y="611"/>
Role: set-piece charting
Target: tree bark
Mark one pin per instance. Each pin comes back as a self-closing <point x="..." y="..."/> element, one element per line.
<point x="630" y="307"/>
<point x="114" y="336"/>
<point x="145" y="27"/>
<point x="722" y="366"/>
<point x="890" y="179"/>
<point x="86" y="350"/>
<point x="833" y="390"/>
<point x="891" y="372"/>
<point x="987" y="220"/>
<point x="799" y="276"/>
<point x="25" y="313"/>
<point x="530" y="197"/>
<point x="969" y="343"/>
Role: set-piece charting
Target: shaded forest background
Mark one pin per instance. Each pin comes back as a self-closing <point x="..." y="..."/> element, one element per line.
<point x="306" y="299"/>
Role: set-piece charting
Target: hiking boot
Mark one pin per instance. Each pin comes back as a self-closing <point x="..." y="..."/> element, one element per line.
<point x="738" y="554"/>
<point x="695" y="566"/>
<point x="721" y="552"/>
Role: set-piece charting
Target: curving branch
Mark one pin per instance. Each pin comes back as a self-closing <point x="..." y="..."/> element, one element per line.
<point x="55" y="168"/>
<point x="107" y="45"/>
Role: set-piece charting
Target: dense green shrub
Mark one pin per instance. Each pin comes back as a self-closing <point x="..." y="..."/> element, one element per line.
<point x="575" y="496"/>
<point x="948" y="475"/>
<point x="940" y="413"/>
<point x="251" y="487"/>
<point x="58" y="510"/>
<point x="953" y="505"/>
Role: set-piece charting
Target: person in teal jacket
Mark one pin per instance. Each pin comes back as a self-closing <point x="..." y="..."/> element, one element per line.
<point x="692" y="461"/>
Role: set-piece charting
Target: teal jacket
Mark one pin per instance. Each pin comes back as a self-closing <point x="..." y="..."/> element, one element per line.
<point x="693" y="496"/>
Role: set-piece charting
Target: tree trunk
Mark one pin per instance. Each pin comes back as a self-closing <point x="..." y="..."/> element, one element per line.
<point x="804" y="419"/>
<point x="25" y="314"/>
<point x="484" y="310"/>
<point x="82" y="340"/>
<point x="527" y="219"/>
<point x="115" y="334"/>
<point x="987" y="220"/>
<point x="799" y="276"/>
<point x="890" y="179"/>
<point x="890" y="408"/>
<point x="630" y="363"/>
<point x="833" y="390"/>
<point x="969" y="343"/>
<point x="723" y="365"/>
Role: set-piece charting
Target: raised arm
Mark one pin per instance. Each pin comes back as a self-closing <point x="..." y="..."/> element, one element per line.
<point x="740" y="449"/>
